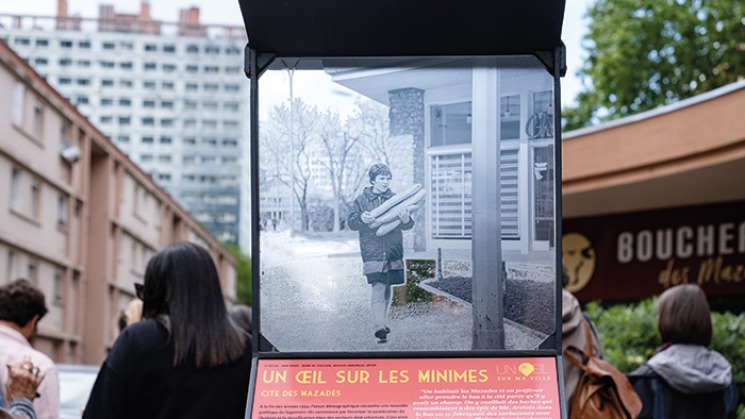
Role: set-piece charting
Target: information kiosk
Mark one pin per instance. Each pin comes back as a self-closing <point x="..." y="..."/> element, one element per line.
<point x="405" y="203"/>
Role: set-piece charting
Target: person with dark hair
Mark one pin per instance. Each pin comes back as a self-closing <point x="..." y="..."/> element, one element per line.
<point x="22" y="306"/>
<point x="684" y="379"/>
<point x="185" y="359"/>
<point x="241" y="316"/>
<point x="24" y="379"/>
<point x="382" y="255"/>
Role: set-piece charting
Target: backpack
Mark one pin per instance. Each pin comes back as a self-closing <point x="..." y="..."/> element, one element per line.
<point x="603" y="391"/>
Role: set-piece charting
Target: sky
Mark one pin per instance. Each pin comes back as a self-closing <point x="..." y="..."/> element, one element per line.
<point x="227" y="12"/>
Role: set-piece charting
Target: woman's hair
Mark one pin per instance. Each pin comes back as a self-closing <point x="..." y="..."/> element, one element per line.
<point x="378" y="169"/>
<point x="241" y="316"/>
<point x="181" y="281"/>
<point x="684" y="316"/>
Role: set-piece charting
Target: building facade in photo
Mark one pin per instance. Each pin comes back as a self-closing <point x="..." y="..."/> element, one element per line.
<point x="79" y="218"/>
<point x="172" y="96"/>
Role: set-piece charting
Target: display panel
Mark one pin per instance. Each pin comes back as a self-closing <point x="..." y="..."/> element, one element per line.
<point x="407" y="205"/>
<point x="406" y="388"/>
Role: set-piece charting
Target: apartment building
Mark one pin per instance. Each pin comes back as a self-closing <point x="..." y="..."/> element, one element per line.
<point x="79" y="218"/>
<point x="172" y="96"/>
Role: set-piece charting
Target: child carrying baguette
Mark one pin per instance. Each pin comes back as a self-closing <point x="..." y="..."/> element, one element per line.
<point x="379" y="215"/>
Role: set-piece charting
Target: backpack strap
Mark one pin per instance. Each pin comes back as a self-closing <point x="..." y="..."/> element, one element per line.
<point x="588" y="335"/>
<point x="586" y="354"/>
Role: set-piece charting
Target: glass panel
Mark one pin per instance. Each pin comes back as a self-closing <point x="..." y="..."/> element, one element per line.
<point x="371" y="183"/>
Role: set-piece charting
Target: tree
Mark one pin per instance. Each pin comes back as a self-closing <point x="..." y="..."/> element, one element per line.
<point x="243" y="286"/>
<point x="646" y="54"/>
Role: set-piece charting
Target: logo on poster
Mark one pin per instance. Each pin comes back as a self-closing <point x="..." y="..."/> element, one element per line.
<point x="578" y="258"/>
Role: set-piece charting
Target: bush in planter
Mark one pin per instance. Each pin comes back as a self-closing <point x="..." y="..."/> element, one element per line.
<point x="629" y="337"/>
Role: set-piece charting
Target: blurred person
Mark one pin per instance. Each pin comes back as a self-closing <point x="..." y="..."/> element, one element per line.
<point x="241" y="316"/>
<point x="23" y="381"/>
<point x="22" y="306"/>
<point x="684" y="379"/>
<point x="382" y="256"/>
<point x="185" y="359"/>
<point x="130" y="315"/>
<point x="574" y="333"/>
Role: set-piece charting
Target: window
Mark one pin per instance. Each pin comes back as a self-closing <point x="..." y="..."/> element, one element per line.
<point x="190" y="141"/>
<point x="35" y="198"/>
<point x="65" y="44"/>
<point x="126" y="45"/>
<point x="84" y="82"/>
<point x="84" y="63"/>
<point x="105" y="119"/>
<point x="146" y="158"/>
<point x="232" y="51"/>
<point x="123" y="139"/>
<point x="190" y="105"/>
<point x="41" y="61"/>
<point x="151" y="47"/>
<point x="148" y="85"/>
<point x="107" y="101"/>
<point x="166" y="140"/>
<point x="58" y="286"/>
<point x="166" y="104"/>
<point x="166" y="122"/>
<point x="209" y="124"/>
<point x="65" y="81"/>
<point x="210" y="87"/>
<point x="211" y="49"/>
<point x="230" y="142"/>
<point x="109" y="45"/>
<point x="233" y="69"/>
<point x="19" y="103"/>
<point x="147" y="140"/>
<point x="188" y="159"/>
<point x="148" y="103"/>
<point x="65" y="62"/>
<point x="230" y="125"/>
<point x="150" y="66"/>
<point x="81" y="100"/>
<point x="230" y="160"/>
<point x="148" y="121"/>
<point x="31" y="273"/>
<point x="38" y="128"/>
<point x="192" y="69"/>
<point x="450" y="124"/>
<point x="126" y="65"/>
<point x="127" y="102"/>
<point x="211" y="69"/>
<point x="42" y="43"/>
<point x="209" y="141"/>
<point x="106" y="64"/>
<point x="16" y="196"/>
<point x="190" y="123"/>
<point x="169" y="68"/>
<point x="107" y="83"/>
<point x="125" y="120"/>
<point x="170" y="48"/>
<point x="165" y="158"/>
<point x="167" y="85"/>
<point x="126" y="83"/>
<point x="191" y="87"/>
<point x="62" y="202"/>
<point x="22" y="41"/>
<point x="84" y="44"/>
<point x="232" y="87"/>
<point x="164" y="176"/>
<point x="11" y="265"/>
<point x="232" y="106"/>
<point x="210" y="106"/>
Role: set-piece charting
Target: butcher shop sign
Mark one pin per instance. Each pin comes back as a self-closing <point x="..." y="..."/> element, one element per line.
<point x="636" y="255"/>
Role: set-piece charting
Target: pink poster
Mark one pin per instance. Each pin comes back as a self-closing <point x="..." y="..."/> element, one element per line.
<point x="407" y="388"/>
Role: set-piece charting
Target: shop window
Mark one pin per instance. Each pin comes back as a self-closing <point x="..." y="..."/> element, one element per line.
<point x="450" y="124"/>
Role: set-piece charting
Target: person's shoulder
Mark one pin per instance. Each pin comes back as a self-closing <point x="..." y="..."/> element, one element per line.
<point x="643" y="371"/>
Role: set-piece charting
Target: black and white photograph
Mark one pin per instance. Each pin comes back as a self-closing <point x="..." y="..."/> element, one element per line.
<point x="377" y="227"/>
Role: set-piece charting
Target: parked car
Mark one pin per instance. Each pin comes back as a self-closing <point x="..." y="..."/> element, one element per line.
<point x="75" y="384"/>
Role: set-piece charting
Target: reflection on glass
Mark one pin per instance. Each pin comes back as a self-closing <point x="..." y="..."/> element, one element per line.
<point x="321" y="132"/>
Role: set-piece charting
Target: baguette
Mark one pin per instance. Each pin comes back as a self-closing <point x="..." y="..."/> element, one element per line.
<point x="392" y="213"/>
<point x="396" y="199"/>
<point x="387" y="228"/>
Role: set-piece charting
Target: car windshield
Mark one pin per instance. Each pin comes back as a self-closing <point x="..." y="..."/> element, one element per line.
<point x="75" y="387"/>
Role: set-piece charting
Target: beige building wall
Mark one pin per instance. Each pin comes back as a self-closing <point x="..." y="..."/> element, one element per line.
<point x="83" y="227"/>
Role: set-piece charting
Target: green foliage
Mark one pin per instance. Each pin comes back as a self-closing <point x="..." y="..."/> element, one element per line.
<point x="417" y="271"/>
<point x="645" y="54"/>
<point x="629" y="337"/>
<point x="243" y="286"/>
